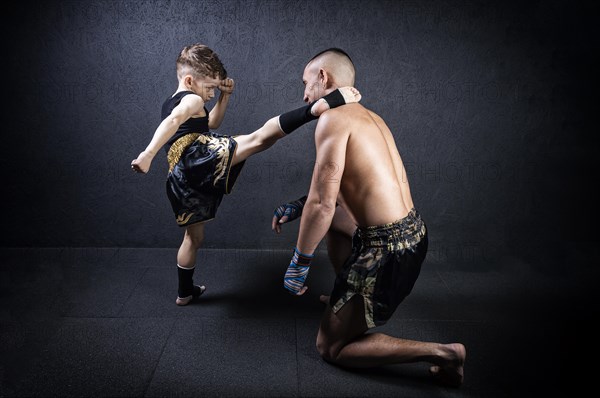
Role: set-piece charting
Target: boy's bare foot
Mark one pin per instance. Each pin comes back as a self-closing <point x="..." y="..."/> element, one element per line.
<point x="350" y="94"/>
<point x="452" y="373"/>
<point x="324" y="299"/>
<point x="198" y="290"/>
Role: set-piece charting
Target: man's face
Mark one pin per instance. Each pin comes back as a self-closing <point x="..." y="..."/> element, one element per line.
<point x="205" y="87"/>
<point x="310" y="78"/>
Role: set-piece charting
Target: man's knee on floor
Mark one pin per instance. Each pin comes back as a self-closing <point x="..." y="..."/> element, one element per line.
<point x="327" y="351"/>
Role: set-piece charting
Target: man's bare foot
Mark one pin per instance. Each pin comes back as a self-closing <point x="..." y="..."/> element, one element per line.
<point x="452" y="372"/>
<point x="324" y="299"/>
<point x="350" y="95"/>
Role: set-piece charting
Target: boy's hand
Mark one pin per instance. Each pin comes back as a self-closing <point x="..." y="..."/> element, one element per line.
<point x="226" y="86"/>
<point x="142" y="163"/>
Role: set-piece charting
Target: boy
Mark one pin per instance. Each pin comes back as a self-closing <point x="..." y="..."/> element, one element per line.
<point x="203" y="166"/>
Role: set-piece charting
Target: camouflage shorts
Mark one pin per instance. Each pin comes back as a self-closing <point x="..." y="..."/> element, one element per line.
<point x="383" y="267"/>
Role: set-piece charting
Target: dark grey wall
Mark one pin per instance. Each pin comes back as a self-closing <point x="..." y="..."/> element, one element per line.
<point x="487" y="103"/>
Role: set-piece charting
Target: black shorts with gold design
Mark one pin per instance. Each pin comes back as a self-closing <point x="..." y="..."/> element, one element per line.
<point x="200" y="173"/>
<point x="383" y="267"/>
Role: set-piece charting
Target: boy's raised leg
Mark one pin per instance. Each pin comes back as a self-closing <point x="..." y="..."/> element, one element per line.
<point x="275" y="128"/>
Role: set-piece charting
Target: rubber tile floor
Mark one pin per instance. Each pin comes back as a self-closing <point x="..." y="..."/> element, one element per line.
<point x="102" y="322"/>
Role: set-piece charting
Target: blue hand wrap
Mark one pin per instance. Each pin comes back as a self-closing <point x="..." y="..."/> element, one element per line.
<point x="297" y="272"/>
<point x="292" y="210"/>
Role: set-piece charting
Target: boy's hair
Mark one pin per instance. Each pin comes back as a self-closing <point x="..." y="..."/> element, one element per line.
<point x="199" y="60"/>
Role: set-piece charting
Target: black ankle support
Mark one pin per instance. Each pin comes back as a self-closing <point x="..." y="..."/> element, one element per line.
<point x="186" y="283"/>
<point x="291" y="120"/>
<point x="335" y="99"/>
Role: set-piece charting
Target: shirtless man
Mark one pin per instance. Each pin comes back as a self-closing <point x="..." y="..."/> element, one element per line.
<point x="360" y="199"/>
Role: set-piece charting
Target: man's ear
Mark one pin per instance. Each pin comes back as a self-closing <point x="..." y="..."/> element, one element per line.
<point x="324" y="78"/>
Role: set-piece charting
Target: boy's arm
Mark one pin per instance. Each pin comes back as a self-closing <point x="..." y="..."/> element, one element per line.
<point x="190" y="105"/>
<point x="217" y="113"/>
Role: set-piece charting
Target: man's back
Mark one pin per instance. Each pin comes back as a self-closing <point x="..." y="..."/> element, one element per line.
<point x="374" y="188"/>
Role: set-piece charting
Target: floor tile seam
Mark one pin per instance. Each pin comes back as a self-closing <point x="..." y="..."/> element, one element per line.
<point x="149" y="383"/>
<point x="138" y="282"/>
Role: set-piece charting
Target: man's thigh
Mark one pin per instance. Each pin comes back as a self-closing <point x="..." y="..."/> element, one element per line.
<point x="339" y="238"/>
<point x="338" y="329"/>
<point x="342" y="223"/>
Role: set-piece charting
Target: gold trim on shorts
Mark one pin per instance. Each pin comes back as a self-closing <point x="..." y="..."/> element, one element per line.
<point x="219" y="145"/>
<point x="227" y="188"/>
<point x="178" y="147"/>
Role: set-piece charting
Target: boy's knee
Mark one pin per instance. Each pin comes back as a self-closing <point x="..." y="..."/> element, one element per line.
<point x="198" y="241"/>
<point x="195" y="241"/>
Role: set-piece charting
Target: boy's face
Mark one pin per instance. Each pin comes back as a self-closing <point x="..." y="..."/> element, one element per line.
<point x="205" y="87"/>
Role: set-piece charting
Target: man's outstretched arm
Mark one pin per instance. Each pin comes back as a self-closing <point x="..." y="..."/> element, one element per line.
<point x="320" y="205"/>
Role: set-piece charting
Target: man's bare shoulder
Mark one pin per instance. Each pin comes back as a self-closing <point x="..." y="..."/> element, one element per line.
<point x="334" y="123"/>
<point x="342" y="115"/>
<point x="374" y="115"/>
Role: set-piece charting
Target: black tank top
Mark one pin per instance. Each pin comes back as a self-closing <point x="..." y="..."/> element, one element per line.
<point x="192" y="125"/>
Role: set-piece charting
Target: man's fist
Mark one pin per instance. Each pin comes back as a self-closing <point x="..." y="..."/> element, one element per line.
<point x="296" y="274"/>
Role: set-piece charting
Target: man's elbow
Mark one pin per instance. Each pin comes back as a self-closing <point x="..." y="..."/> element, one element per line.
<point x="325" y="207"/>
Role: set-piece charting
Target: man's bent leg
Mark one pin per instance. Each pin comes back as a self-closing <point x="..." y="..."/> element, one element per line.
<point x="338" y="329"/>
<point x="339" y="238"/>
<point x="342" y="340"/>
<point x="339" y="248"/>
<point x="339" y="242"/>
